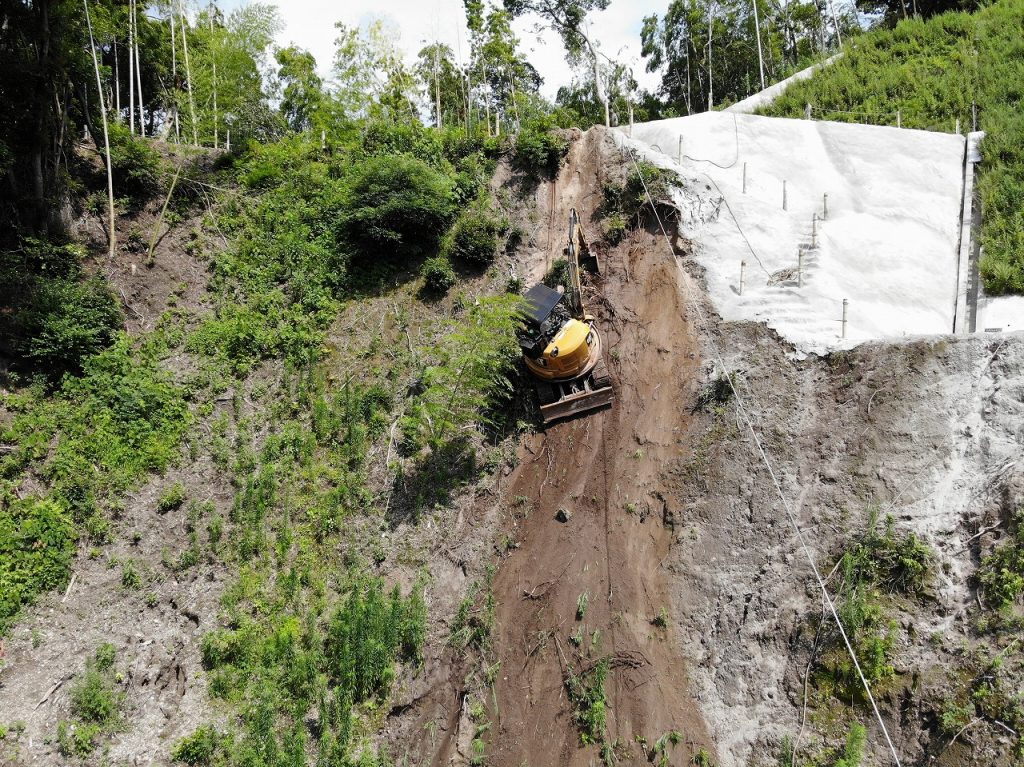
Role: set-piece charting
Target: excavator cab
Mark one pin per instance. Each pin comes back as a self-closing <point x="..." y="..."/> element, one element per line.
<point x="561" y="345"/>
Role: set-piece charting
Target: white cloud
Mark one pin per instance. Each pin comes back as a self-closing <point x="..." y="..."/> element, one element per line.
<point x="310" y="24"/>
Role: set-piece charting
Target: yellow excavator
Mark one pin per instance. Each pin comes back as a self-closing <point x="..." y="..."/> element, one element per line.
<point x="560" y="343"/>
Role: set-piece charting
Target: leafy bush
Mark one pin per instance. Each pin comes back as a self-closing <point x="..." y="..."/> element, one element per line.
<point x="587" y="696"/>
<point x="438" y="274"/>
<point x="136" y="165"/>
<point x="558" y="274"/>
<point x="627" y="205"/>
<point x="93" y="698"/>
<point x="470" y="373"/>
<point x="172" y="498"/>
<point x="397" y="206"/>
<point x="474" y="238"/>
<point x="873" y="563"/>
<point x="199" y="748"/>
<point x="93" y="438"/>
<point x="68" y="321"/>
<point x="95" y="705"/>
<point x="54" y="319"/>
<point x="853" y="751"/>
<point x="539" y="150"/>
<point x="1002" y="573"/>
<point x="37" y="545"/>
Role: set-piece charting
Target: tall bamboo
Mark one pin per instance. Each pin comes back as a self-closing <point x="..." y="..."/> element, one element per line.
<point x="138" y="69"/>
<point x="131" y="74"/>
<point x="106" y="134"/>
<point x="188" y="76"/>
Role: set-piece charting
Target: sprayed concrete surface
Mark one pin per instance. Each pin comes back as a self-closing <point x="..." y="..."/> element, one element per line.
<point x="888" y="243"/>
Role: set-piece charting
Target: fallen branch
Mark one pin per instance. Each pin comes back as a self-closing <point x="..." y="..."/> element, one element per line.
<point x="70" y="586"/>
<point x="52" y="690"/>
<point x="160" y="219"/>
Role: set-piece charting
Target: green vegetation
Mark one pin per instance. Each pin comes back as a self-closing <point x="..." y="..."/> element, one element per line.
<point x="625" y="206"/>
<point x="581" y="605"/>
<point x="438" y="274"/>
<point x="474" y="238"/>
<point x="91" y="440"/>
<point x="474" y="621"/>
<point x="1002" y="572"/>
<point x="873" y="566"/>
<point x="539" y="150"/>
<point x="56" y="318"/>
<point x="397" y="205"/>
<point x="931" y="71"/>
<point x="172" y="498"/>
<point x="96" y="706"/>
<point x="589" y="705"/>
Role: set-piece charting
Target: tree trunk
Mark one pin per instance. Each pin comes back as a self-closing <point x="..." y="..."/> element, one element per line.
<point x="131" y="71"/>
<point x="711" y="74"/>
<point x="138" y="70"/>
<point x="188" y="76"/>
<point x="174" y="83"/>
<point x="117" y="83"/>
<point x="213" y="60"/>
<point x="106" y="135"/>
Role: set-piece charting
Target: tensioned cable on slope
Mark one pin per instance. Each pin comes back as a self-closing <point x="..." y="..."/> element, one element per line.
<point x="771" y="470"/>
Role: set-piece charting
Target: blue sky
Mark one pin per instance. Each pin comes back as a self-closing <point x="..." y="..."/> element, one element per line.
<point x="310" y="25"/>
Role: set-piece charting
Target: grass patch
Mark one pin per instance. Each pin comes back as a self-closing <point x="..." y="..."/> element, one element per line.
<point x="876" y="566"/>
<point x="1001" y="574"/>
<point x="94" y="438"/>
<point x="96" y="706"/>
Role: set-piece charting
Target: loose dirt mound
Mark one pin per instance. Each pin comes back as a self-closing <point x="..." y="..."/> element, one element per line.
<point x="607" y="471"/>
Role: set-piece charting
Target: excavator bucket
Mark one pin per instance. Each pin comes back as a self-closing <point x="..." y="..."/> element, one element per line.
<point x="563" y="399"/>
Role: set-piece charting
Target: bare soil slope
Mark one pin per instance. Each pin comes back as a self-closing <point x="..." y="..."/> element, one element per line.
<point x="607" y="471"/>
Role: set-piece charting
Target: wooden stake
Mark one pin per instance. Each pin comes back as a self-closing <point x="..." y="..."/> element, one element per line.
<point x="784" y="201"/>
<point x="824" y="214"/>
<point x="743" y="268"/>
<point x="800" y="267"/>
<point x="744" y="177"/>
<point x="846" y="304"/>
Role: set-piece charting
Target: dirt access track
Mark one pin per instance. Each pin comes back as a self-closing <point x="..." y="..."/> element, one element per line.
<point x="609" y="471"/>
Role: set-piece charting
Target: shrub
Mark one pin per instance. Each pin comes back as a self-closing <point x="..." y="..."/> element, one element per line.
<point x="136" y="166"/>
<point x="172" y="498"/>
<point x="438" y="274"/>
<point x="1002" y="573"/>
<point x="198" y="748"/>
<point x="590" y="707"/>
<point x="474" y="238"/>
<point x="558" y="274"/>
<point x="540" y="149"/>
<point x="397" y="205"/>
<point x="66" y="321"/>
<point x="93" y="698"/>
<point x="37" y="544"/>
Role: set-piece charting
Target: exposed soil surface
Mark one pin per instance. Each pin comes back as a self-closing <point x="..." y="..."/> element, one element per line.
<point x="593" y="587"/>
